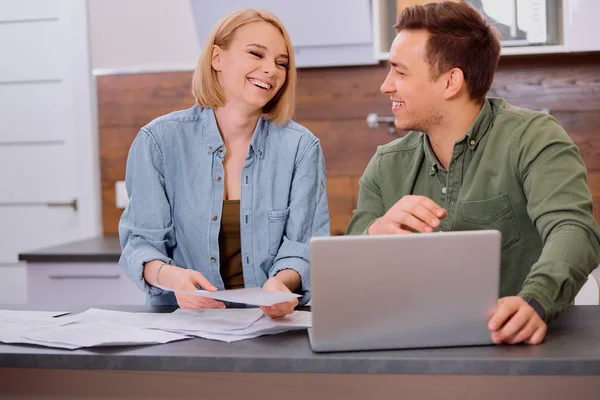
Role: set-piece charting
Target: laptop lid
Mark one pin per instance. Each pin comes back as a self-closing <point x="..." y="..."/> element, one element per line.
<point x="403" y="291"/>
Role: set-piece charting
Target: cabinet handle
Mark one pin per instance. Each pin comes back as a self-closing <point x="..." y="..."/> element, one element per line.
<point x="71" y="204"/>
<point x="89" y="276"/>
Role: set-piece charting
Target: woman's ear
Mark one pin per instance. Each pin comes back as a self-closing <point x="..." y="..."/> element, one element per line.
<point x="216" y="57"/>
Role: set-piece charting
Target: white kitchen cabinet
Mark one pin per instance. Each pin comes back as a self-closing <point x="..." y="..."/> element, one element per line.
<point x="323" y="33"/>
<point x="80" y="284"/>
<point x="13" y="284"/>
<point x="569" y="26"/>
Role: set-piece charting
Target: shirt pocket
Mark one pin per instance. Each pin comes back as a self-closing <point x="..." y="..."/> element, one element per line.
<point x="495" y="213"/>
<point x="277" y="220"/>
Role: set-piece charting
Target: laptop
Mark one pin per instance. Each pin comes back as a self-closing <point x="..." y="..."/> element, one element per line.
<point x="403" y="291"/>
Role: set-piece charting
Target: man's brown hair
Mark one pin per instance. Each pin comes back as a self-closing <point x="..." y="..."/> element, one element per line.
<point x="459" y="37"/>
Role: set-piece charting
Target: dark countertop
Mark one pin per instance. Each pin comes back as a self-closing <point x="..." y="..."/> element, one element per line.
<point x="99" y="249"/>
<point x="571" y="348"/>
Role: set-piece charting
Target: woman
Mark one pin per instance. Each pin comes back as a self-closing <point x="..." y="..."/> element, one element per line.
<point x="227" y="193"/>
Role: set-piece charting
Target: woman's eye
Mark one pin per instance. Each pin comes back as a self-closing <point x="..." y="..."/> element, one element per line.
<point x="256" y="54"/>
<point x="283" y="65"/>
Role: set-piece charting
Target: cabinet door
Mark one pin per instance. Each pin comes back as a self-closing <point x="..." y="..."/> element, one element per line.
<point x="582" y="28"/>
<point x="80" y="284"/>
<point x="323" y="33"/>
<point x="13" y="284"/>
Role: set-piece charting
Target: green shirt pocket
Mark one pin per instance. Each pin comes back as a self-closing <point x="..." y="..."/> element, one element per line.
<point x="495" y="213"/>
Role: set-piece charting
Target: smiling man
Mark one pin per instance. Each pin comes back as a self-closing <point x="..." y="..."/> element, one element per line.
<point x="470" y="162"/>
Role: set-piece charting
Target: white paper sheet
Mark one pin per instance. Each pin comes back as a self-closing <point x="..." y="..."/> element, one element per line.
<point x="136" y="319"/>
<point x="87" y="334"/>
<point x="251" y="296"/>
<point x="264" y="326"/>
<point x="14" y="325"/>
<point x="212" y="319"/>
<point x="218" y="320"/>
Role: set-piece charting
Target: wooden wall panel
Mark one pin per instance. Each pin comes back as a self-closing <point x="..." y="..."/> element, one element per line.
<point x="334" y="102"/>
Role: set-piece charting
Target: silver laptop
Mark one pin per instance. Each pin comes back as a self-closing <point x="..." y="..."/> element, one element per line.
<point x="403" y="291"/>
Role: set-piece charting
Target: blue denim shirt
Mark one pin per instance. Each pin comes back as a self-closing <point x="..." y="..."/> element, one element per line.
<point x="175" y="183"/>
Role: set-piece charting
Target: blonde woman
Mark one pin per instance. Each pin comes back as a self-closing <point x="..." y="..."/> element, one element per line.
<point x="227" y="193"/>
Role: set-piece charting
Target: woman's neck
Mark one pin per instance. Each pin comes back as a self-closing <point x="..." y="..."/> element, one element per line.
<point x="236" y="124"/>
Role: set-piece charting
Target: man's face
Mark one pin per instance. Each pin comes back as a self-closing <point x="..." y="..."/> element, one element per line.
<point x="417" y="99"/>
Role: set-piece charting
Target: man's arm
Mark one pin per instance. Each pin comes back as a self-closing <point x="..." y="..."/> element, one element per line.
<point x="560" y="206"/>
<point x="370" y="204"/>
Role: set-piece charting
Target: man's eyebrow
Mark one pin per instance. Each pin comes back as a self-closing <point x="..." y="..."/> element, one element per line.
<point x="397" y="64"/>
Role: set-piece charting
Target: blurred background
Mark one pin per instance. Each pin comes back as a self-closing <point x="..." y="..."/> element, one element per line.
<point x="78" y="78"/>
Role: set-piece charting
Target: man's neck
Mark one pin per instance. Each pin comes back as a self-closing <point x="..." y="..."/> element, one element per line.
<point x="455" y="123"/>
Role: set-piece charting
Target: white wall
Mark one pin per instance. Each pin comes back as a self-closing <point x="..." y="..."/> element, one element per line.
<point x="146" y="35"/>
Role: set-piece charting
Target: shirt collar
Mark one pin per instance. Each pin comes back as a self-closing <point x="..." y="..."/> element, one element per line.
<point x="214" y="141"/>
<point x="481" y="125"/>
<point x="475" y="133"/>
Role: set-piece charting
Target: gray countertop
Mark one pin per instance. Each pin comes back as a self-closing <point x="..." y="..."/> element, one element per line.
<point x="99" y="249"/>
<point x="571" y="348"/>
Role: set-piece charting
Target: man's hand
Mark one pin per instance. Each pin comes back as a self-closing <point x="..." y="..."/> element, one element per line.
<point x="409" y="214"/>
<point x="515" y="321"/>
<point x="278" y="310"/>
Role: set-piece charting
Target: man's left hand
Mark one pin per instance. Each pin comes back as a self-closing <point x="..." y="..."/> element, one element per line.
<point x="515" y="321"/>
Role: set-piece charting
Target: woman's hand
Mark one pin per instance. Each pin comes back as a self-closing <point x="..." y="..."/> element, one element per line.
<point x="176" y="278"/>
<point x="278" y="310"/>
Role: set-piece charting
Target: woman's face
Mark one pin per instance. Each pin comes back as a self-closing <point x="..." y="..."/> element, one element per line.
<point x="254" y="68"/>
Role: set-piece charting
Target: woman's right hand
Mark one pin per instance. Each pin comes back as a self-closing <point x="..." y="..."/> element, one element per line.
<point x="176" y="278"/>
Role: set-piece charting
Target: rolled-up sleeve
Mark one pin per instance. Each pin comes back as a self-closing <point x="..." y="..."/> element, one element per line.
<point x="146" y="226"/>
<point x="308" y="217"/>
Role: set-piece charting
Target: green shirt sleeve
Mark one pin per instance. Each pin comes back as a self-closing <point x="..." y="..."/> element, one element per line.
<point x="370" y="204"/>
<point x="560" y="205"/>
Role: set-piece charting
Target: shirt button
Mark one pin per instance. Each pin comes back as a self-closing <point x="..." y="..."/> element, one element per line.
<point x="210" y="149"/>
<point x="260" y="153"/>
<point x="218" y="179"/>
<point x="444" y="190"/>
<point x="214" y="218"/>
<point x="472" y="143"/>
<point x="221" y="150"/>
<point x="213" y="260"/>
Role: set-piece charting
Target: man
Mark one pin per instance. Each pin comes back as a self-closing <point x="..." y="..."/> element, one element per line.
<point x="472" y="163"/>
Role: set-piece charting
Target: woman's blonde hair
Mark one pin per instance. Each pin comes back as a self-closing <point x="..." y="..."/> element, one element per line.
<point x="205" y="85"/>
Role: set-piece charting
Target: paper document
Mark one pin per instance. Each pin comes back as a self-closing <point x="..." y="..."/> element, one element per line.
<point x="252" y="296"/>
<point x="209" y="320"/>
<point x="15" y="324"/>
<point x="264" y="326"/>
<point x="97" y="327"/>
<point x="101" y="334"/>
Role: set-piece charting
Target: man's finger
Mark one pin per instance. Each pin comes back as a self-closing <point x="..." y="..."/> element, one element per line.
<point x="433" y="207"/>
<point x="504" y="312"/>
<point x="538" y="335"/>
<point x="414" y="223"/>
<point x="524" y="333"/>
<point x="515" y="323"/>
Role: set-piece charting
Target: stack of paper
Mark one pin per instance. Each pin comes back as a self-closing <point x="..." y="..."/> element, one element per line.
<point x="193" y="324"/>
<point x="15" y="324"/>
<point x="36" y="327"/>
<point x="96" y="327"/>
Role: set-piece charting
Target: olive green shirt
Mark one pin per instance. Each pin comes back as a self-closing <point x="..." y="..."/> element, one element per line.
<point x="516" y="171"/>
